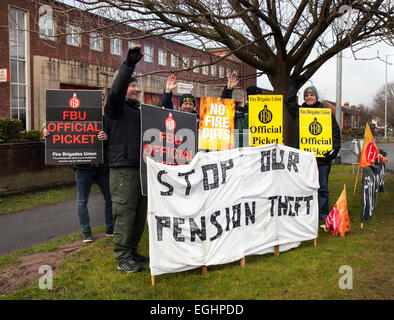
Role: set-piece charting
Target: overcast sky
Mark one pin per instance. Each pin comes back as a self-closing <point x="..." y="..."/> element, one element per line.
<point x="361" y="79"/>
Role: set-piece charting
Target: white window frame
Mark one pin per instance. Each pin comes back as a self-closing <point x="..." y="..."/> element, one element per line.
<point x="221" y="72"/>
<point x="185" y="62"/>
<point x="204" y="69"/>
<point x="162" y="57"/>
<point x="148" y="53"/>
<point x="96" y="42"/>
<point x="194" y="64"/>
<point x="46" y="23"/>
<point x="17" y="59"/>
<point x="213" y="70"/>
<point x="73" y="35"/>
<point x="174" y="60"/>
<point x="131" y="44"/>
<point x="116" y="46"/>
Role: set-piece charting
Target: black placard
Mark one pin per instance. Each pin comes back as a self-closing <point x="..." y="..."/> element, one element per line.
<point x="167" y="136"/>
<point x="73" y="119"/>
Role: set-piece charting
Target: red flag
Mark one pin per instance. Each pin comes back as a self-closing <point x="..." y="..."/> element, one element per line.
<point x="338" y="219"/>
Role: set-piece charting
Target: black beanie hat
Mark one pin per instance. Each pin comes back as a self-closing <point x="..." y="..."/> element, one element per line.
<point x="312" y="90"/>
<point x="252" y="90"/>
<point x="187" y="97"/>
<point x="132" y="79"/>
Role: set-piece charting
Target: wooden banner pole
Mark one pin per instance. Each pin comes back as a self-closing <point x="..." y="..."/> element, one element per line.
<point x="315" y="243"/>
<point x="361" y="225"/>
<point x="243" y="262"/>
<point x="276" y="250"/>
<point x="204" y="270"/>
<point x="152" y="278"/>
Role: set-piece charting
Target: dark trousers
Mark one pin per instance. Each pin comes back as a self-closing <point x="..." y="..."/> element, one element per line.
<point x="84" y="179"/>
<point x="324" y="172"/>
<point x="129" y="207"/>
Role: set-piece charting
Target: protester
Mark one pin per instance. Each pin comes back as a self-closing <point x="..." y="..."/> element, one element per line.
<point x="324" y="163"/>
<point x="129" y="205"/>
<point x="85" y="175"/>
<point x="241" y="119"/>
<point x="187" y="102"/>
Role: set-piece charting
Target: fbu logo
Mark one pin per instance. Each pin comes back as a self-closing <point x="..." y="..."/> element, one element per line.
<point x="265" y="116"/>
<point x="74" y="101"/>
<point x="315" y="127"/>
<point x="170" y="122"/>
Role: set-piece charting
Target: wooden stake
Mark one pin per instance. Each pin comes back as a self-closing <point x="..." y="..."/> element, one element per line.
<point x="152" y="278"/>
<point x="276" y="251"/>
<point x="204" y="270"/>
<point x="242" y="262"/>
<point x="355" y="185"/>
<point x="315" y="243"/>
<point x="361" y="225"/>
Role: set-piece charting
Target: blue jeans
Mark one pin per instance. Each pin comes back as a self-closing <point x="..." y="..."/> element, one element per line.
<point x="85" y="179"/>
<point x="324" y="171"/>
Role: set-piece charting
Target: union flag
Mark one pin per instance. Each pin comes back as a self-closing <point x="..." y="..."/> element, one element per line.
<point x="338" y="219"/>
<point x="370" y="152"/>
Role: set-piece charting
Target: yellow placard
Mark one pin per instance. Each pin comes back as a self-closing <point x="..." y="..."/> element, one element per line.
<point x="216" y="129"/>
<point x="265" y="119"/>
<point x="315" y="130"/>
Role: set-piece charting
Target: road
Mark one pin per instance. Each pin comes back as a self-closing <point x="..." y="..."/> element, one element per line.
<point x="30" y="227"/>
<point x="348" y="157"/>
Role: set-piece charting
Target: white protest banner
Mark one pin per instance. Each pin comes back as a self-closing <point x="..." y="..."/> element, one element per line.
<point x="229" y="204"/>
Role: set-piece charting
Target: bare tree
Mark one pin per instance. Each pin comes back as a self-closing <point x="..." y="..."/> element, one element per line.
<point x="365" y="115"/>
<point x="283" y="39"/>
<point x="378" y="105"/>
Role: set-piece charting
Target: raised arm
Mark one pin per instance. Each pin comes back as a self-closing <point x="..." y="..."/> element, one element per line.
<point x="117" y="94"/>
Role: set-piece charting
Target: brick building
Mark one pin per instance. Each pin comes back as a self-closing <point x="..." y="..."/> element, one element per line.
<point x="45" y="44"/>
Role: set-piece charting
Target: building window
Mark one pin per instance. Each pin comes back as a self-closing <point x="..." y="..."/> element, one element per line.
<point x="162" y="57"/>
<point x="46" y="24"/>
<point x="96" y="42"/>
<point x="221" y="72"/>
<point x="116" y="46"/>
<point x="131" y="44"/>
<point x="18" y="72"/>
<point x="213" y="70"/>
<point x="204" y="69"/>
<point x="148" y="53"/>
<point x="195" y="64"/>
<point x="73" y="36"/>
<point x="185" y="62"/>
<point x="173" y="60"/>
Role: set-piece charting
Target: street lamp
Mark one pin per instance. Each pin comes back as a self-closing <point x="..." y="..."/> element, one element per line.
<point x="385" y="100"/>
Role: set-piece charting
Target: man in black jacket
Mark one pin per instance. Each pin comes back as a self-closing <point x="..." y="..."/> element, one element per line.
<point x="323" y="163"/>
<point x="129" y="206"/>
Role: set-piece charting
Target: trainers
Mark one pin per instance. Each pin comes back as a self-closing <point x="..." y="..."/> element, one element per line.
<point x="87" y="237"/>
<point x="109" y="234"/>
<point x="140" y="258"/>
<point x="129" y="266"/>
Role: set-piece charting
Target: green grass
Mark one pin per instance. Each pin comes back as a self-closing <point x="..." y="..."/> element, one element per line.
<point x="302" y="273"/>
<point x="32" y="200"/>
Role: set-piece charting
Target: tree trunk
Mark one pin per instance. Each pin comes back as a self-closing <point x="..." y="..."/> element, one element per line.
<point x="281" y="85"/>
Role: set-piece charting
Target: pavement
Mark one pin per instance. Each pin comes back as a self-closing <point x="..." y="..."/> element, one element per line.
<point x="39" y="225"/>
<point x="27" y="228"/>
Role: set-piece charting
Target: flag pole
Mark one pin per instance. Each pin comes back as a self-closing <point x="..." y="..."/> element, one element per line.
<point x="355" y="185"/>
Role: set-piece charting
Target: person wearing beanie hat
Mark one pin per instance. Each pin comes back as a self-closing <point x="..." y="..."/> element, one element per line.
<point x="323" y="163"/>
<point x="187" y="102"/>
<point x="124" y="136"/>
<point x="311" y="91"/>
